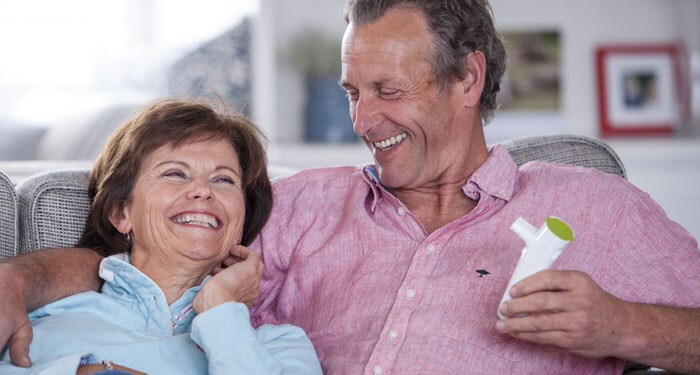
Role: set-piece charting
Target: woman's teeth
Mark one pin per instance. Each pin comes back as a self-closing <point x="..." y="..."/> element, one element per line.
<point x="198" y="219"/>
<point x="389" y="142"/>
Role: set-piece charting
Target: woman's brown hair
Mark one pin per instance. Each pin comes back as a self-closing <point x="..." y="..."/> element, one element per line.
<point x="172" y="122"/>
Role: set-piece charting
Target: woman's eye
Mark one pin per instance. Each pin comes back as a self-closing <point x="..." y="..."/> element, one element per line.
<point x="174" y="173"/>
<point x="225" y="180"/>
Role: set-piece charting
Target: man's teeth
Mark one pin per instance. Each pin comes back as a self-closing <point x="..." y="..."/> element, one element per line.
<point x="198" y="219"/>
<point x="390" y="141"/>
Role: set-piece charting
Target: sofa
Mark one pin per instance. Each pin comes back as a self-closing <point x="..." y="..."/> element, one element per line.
<point x="49" y="209"/>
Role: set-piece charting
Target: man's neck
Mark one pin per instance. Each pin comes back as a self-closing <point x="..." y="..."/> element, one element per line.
<point x="435" y="208"/>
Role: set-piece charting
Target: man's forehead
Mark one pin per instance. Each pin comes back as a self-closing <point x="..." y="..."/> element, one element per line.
<point x="398" y="31"/>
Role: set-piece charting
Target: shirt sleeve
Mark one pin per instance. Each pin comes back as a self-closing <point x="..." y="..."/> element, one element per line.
<point x="654" y="260"/>
<point x="66" y="364"/>
<point x="233" y="346"/>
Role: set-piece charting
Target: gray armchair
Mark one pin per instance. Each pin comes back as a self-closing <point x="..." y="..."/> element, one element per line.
<point x="8" y="218"/>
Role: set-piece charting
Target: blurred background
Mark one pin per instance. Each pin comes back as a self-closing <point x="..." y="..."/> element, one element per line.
<point x="71" y="71"/>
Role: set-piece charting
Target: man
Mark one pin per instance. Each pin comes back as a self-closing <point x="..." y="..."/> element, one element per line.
<point x="380" y="264"/>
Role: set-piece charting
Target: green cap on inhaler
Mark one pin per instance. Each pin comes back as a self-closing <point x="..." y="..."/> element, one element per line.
<point x="560" y="229"/>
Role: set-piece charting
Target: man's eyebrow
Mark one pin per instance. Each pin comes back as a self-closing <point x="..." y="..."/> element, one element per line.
<point x="376" y="84"/>
<point x="380" y="83"/>
<point x="344" y="84"/>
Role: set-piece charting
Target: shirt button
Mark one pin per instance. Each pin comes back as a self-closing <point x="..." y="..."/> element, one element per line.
<point x="410" y="293"/>
<point x="430" y="249"/>
<point x="393" y="335"/>
<point x="377" y="370"/>
<point x="401" y="211"/>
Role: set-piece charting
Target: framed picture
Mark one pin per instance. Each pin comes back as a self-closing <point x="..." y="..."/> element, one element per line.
<point x="640" y="89"/>
<point x="532" y="79"/>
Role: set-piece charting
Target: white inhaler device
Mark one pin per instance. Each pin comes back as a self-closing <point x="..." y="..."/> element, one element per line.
<point x="542" y="248"/>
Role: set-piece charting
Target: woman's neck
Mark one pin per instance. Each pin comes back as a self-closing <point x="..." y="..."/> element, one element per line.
<point x="173" y="276"/>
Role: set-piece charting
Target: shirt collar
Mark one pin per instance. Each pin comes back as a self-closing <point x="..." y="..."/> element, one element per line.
<point x="497" y="176"/>
<point x="128" y="284"/>
<point x="370" y="175"/>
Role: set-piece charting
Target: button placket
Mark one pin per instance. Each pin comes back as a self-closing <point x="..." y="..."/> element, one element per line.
<point x="396" y="325"/>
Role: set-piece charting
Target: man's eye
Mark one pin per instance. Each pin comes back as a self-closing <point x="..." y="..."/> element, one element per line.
<point x="388" y="92"/>
<point x="352" y="94"/>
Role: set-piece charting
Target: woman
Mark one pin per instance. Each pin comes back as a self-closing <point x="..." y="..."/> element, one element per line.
<point x="174" y="191"/>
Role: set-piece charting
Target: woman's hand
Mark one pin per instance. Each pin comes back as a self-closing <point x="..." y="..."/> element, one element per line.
<point x="239" y="282"/>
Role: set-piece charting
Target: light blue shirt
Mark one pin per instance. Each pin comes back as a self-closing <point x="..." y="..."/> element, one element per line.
<point x="131" y="324"/>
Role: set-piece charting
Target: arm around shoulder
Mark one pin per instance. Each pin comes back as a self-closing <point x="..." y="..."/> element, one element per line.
<point x="49" y="275"/>
<point x="38" y="279"/>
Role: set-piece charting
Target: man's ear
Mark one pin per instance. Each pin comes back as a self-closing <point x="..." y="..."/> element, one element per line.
<point x="473" y="82"/>
<point x="120" y="219"/>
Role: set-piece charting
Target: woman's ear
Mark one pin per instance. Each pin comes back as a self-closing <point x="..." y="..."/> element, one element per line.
<point x="120" y="219"/>
<point x="473" y="82"/>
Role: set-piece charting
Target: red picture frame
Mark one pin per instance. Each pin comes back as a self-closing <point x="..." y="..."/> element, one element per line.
<point x="640" y="89"/>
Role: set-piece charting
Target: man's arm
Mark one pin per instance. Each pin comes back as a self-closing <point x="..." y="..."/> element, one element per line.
<point x="569" y="310"/>
<point x="32" y="280"/>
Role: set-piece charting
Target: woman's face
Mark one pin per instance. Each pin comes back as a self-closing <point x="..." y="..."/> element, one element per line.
<point x="187" y="203"/>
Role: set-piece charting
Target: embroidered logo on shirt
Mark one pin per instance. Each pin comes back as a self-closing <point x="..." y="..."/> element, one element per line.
<point x="483" y="272"/>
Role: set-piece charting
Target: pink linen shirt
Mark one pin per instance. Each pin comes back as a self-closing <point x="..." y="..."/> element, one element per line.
<point x="348" y="262"/>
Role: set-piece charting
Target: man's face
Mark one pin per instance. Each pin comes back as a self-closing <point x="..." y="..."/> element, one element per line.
<point x="416" y="132"/>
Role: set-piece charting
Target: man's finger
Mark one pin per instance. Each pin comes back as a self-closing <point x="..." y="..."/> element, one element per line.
<point x="536" y="323"/>
<point x="535" y="303"/>
<point x="552" y="280"/>
<point x="19" y="346"/>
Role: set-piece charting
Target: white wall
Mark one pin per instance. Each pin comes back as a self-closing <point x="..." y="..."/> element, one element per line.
<point x="584" y="25"/>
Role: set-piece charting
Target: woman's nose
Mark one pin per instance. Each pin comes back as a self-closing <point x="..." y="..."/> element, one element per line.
<point x="200" y="189"/>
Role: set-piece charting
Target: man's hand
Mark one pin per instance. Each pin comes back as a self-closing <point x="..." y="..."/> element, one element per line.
<point x="238" y="282"/>
<point x="566" y="309"/>
<point x="15" y="330"/>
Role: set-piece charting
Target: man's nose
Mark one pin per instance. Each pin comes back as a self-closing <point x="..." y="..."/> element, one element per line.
<point x="365" y="115"/>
